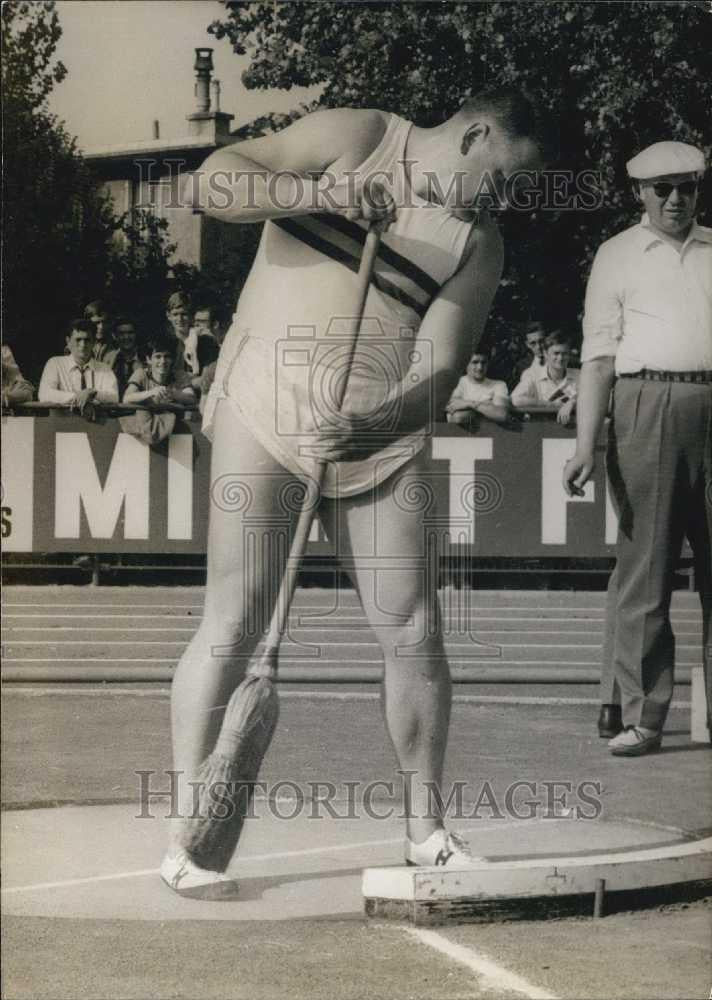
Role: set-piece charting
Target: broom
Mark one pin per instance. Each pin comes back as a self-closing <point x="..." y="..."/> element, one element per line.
<point x="226" y="779"/>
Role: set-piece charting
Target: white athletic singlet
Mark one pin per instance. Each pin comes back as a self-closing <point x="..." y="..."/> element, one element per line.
<point x="285" y="352"/>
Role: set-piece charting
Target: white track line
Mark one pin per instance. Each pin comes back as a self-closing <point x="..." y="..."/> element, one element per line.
<point x="250" y="859"/>
<point x="492" y="976"/>
<point x="294" y="629"/>
<point x="529" y="613"/>
<point x="461" y="699"/>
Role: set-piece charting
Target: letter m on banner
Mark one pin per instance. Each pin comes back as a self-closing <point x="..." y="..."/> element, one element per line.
<point x="78" y="485"/>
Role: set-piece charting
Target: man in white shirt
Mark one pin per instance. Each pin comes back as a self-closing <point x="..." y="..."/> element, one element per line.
<point x="552" y="383"/>
<point x="77" y="378"/>
<point x="648" y="328"/>
<point x="190" y="339"/>
<point x="475" y="393"/>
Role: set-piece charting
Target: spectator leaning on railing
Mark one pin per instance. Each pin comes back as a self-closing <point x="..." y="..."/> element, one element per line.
<point x="159" y="381"/>
<point x="178" y="311"/>
<point x="552" y="384"/>
<point x="15" y="388"/>
<point x="197" y="344"/>
<point x="124" y="360"/>
<point x="209" y="333"/>
<point x="98" y="316"/>
<point x="476" y="394"/>
<point x="533" y="357"/>
<point x="76" y="379"/>
<point x="158" y="385"/>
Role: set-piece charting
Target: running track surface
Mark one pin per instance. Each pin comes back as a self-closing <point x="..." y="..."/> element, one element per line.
<point x="83" y="743"/>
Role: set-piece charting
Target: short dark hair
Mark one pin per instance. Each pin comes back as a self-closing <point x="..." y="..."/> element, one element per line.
<point x="97" y="306"/>
<point x="82" y="326"/>
<point x="124" y="321"/>
<point x="160" y="344"/>
<point x="519" y="115"/>
<point x="558" y="338"/>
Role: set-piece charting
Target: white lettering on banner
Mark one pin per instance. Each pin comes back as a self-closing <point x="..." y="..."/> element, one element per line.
<point x="77" y="482"/>
<point x="462" y="454"/>
<point x="555" y="453"/>
<point x="180" y="486"/>
<point x="18" y="448"/>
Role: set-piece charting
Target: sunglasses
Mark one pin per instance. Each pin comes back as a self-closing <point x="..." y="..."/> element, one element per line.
<point x="663" y="189"/>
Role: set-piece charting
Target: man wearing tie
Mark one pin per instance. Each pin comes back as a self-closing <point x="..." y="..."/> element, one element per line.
<point x="76" y="379"/>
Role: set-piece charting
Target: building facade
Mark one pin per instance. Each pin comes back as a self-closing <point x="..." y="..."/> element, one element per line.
<point x="152" y="174"/>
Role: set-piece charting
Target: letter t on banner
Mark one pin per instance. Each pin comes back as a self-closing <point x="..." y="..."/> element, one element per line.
<point x="555" y="453"/>
<point x="461" y="455"/>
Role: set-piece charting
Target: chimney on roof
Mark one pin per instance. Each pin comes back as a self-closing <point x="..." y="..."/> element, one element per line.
<point x="213" y="126"/>
<point x="203" y="67"/>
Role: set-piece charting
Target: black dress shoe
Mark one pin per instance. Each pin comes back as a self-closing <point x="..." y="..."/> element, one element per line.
<point x="610" y="721"/>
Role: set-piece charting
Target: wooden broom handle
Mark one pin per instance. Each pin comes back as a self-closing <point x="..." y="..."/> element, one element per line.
<point x="267" y="665"/>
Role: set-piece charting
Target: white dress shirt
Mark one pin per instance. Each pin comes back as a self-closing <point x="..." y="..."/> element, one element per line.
<point x="62" y="381"/>
<point x="536" y="387"/>
<point x="650" y="305"/>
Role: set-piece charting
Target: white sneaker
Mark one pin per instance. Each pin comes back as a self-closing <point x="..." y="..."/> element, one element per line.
<point x="441" y="850"/>
<point x="181" y="874"/>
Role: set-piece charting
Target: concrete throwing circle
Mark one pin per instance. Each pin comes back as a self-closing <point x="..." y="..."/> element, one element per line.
<point x="102" y="861"/>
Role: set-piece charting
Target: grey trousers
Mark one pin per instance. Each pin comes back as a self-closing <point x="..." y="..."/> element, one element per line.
<point x="659" y="465"/>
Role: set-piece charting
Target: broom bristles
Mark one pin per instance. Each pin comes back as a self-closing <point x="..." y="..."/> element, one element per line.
<point x="249" y="709"/>
<point x="225" y="781"/>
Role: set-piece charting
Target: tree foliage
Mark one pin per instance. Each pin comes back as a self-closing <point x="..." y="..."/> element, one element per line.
<point x="618" y="75"/>
<point x="63" y="245"/>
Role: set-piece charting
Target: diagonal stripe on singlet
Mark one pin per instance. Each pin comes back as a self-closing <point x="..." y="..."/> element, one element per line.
<point x="307" y="233"/>
<point x="390" y="256"/>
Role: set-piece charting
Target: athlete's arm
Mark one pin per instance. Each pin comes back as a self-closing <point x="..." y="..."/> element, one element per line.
<point x="299" y="170"/>
<point x="450" y="331"/>
<point x="452" y="328"/>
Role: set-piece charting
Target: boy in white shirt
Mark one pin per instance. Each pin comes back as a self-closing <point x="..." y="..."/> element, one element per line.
<point x="77" y="378"/>
<point x="554" y="384"/>
<point x="475" y="393"/>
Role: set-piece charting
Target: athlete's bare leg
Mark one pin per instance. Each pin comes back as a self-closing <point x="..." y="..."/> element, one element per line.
<point x="248" y="540"/>
<point x="382" y="538"/>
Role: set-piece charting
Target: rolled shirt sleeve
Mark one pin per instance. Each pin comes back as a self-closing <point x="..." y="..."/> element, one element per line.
<point x="50" y="389"/>
<point x="603" y="310"/>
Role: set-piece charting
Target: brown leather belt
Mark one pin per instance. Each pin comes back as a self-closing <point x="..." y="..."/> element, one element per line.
<point x="693" y="378"/>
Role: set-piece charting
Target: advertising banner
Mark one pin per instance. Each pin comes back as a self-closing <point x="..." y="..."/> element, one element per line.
<point x="72" y="486"/>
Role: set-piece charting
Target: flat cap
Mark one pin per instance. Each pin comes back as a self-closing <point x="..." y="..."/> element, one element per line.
<point x="665" y="158"/>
